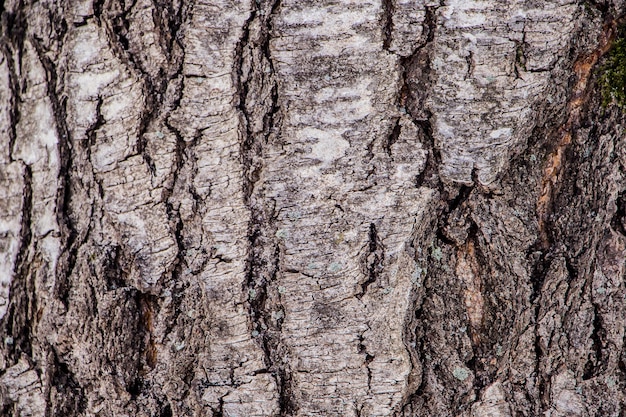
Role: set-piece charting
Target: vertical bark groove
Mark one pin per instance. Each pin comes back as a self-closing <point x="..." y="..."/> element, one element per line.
<point x="258" y="103"/>
<point x="21" y="310"/>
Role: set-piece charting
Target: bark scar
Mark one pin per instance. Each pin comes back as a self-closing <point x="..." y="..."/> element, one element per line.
<point x="468" y="269"/>
<point x="580" y="95"/>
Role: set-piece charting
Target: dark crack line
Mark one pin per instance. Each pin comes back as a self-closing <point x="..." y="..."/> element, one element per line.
<point x="242" y="90"/>
<point x="253" y="71"/>
<point x="148" y="309"/>
<point x="98" y="7"/>
<point x="70" y="395"/>
<point x="373" y="260"/>
<point x="14" y="112"/>
<point x="69" y="233"/>
<point x="182" y="149"/>
<point x="594" y="365"/>
<point x="362" y="349"/>
<point x="153" y="87"/>
<point x="256" y="51"/>
<point x="21" y="265"/>
<point x="392" y="137"/>
<point x="14" y="28"/>
<point x="389" y="8"/>
<point x="248" y="144"/>
<point x="22" y="301"/>
<point x="429" y="177"/>
<point x="172" y="211"/>
<point x="219" y="412"/>
<point x="412" y="98"/>
<point x="420" y="349"/>
<point x="602" y="7"/>
<point x="618" y="220"/>
<point x="597" y="361"/>
<point x="415" y="82"/>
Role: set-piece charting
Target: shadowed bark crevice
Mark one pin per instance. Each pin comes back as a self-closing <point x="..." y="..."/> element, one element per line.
<point x="368" y="358"/>
<point x="392" y="137"/>
<point x="618" y="221"/>
<point x="387" y="21"/>
<point x="167" y="22"/>
<point x="373" y="260"/>
<point x="258" y="102"/>
<point x="254" y="74"/>
<point x="19" y="320"/>
<point x="67" y="397"/>
<point x="14" y="112"/>
<point x="595" y="364"/>
<point x="14" y="27"/>
<point x="148" y="309"/>
<point x="414" y="88"/>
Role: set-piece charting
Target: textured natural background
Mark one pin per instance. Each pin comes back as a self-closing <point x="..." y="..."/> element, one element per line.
<point x="311" y="208"/>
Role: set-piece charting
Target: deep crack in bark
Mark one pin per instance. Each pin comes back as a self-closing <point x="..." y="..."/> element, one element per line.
<point x="22" y="306"/>
<point x="254" y="72"/>
<point x="387" y="22"/>
<point x="373" y="260"/>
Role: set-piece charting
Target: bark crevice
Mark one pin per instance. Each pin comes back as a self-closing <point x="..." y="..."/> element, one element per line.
<point x="22" y="307"/>
<point x="258" y="102"/>
<point x="373" y="260"/>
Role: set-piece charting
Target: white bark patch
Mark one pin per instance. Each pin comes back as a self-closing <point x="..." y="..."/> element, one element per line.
<point x="329" y="147"/>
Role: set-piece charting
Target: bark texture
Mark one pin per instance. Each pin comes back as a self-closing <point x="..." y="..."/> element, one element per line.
<point x="310" y="208"/>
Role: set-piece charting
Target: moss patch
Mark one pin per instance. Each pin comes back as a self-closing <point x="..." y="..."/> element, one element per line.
<point x="613" y="74"/>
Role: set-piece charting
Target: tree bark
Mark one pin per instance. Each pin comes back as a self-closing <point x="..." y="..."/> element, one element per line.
<point x="310" y="208"/>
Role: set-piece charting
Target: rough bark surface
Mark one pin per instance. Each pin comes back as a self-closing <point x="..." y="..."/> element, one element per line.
<point x="310" y="208"/>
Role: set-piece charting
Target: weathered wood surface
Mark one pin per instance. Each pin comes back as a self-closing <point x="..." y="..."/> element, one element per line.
<point x="310" y="208"/>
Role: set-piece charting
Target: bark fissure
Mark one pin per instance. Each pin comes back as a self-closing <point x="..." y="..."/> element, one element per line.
<point x="373" y="260"/>
<point x="181" y="150"/>
<point x="387" y="22"/>
<point x="23" y="303"/>
<point x="595" y="364"/>
<point x="393" y="138"/>
<point x="154" y="86"/>
<point x="367" y="360"/>
<point x="148" y="309"/>
<point x="69" y="397"/>
<point x="255" y="74"/>
<point x="241" y="84"/>
<point x="71" y="240"/>
<point x="618" y="221"/>
<point x="413" y="92"/>
<point x="14" y="114"/>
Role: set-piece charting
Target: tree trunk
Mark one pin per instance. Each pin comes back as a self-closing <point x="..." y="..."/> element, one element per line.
<point x="311" y="208"/>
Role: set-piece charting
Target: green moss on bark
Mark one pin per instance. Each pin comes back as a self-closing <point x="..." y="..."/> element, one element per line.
<point x="613" y="74"/>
